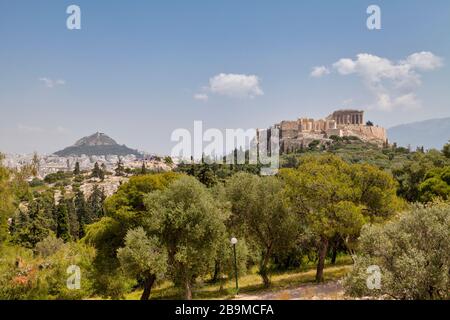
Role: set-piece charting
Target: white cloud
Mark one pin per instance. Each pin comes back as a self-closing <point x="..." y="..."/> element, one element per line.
<point x="424" y="61"/>
<point x="318" y="72"/>
<point x="201" y="97"/>
<point x="49" y="83"/>
<point x="235" y="85"/>
<point x="393" y="84"/>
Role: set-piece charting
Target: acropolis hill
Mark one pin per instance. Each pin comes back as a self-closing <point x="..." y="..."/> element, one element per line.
<point x="298" y="134"/>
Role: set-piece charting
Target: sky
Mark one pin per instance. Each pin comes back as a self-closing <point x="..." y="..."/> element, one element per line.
<point x="138" y="70"/>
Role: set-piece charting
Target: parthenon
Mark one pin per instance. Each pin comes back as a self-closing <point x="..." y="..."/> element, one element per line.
<point x="347" y="117"/>
<point x="297" y="134"/>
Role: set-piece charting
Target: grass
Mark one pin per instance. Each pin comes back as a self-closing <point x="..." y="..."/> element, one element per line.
<point x="250" y="283"/>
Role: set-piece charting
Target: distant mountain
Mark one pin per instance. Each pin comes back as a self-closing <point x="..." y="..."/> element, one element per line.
<point x="98" y="144"/>
<point x="432" y="133"/>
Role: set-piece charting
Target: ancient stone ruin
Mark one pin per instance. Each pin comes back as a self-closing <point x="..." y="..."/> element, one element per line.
<point x="298" y="134"/>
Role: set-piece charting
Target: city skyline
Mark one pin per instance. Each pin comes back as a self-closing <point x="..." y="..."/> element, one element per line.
<point x="139" y="71"/>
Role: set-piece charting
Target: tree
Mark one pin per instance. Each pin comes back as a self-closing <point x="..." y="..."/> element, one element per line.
<point x="77" y="171"/>
<point x="63" y="228"/>
<point x="334" y="198"/>
<point x="257" y="203"/>
<point x="120" y="170"/>
<point x="413" y="172"/>
<point x="123" y="211"/>
<point x="143" y="258"/>
<point x="94" y="210"/>
<point x="436" y="184"/>
<point x="168" y="160"/>
<point x="446" y="150"/>
<point x="412" y="253"/>
<point x="74" y="224"/>
<point x="34" y="221"/>
<point x="97" y="172"/>
<point x="143" y="168"/>
<point x="6" y="200"/>
<point x="81" y="210"/>
<point x="190" y="225"/>
<point x="35" y="163"/>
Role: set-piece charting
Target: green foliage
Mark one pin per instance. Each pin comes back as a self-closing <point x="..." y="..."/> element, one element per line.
<point x="412" y="252"/>
<point x="49" y="246"/>
<point x="24" y="276"/>
<point x="130" y="195"/>
<point x="6" y="201"/>
<point x="191" y="226"/>
<point x="123" y="211"/>
<point x="120" y="170"/>
<point x="168" y="160"/>
<point x="35" y="222"/>
<point x="142" y="255"/>
<point x="57" y="177"/>
<point x="62" y="221"/>
<point x="36" y="183"/>
<point x="446" y="150"/>
<point x="143" y="258"/>
<point x="76" y="170"/>
<point x="436" y="184"/>
<point x="97" y="172"/>
<point x="224" y="266"/>
<point x="258" y="206"/>
<point x="412" y="173"/>
<point x="334" y="198"/>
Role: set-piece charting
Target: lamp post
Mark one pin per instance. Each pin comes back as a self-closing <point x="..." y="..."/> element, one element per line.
<point x="233" y="242"/>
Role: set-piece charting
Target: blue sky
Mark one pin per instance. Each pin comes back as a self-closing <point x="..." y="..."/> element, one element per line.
<point x="135" y="67"/>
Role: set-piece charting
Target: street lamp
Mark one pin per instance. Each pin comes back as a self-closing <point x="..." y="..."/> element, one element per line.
<point x="233" y="242"/>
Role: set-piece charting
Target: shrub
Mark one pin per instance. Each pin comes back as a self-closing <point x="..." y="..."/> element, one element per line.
<point x="412" y="252"/>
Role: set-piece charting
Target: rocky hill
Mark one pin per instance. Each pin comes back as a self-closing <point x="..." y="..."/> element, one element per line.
<point x="98" y="144"/>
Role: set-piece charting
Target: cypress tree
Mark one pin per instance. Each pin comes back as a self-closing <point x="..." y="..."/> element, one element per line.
<point x="62" y="230"/>
<point x="77" y="171"/>
<point x="81" y="211"/>
<point x="119" y="169"/>
<point x="143" y="168"/>
<point x="96" y="172"/>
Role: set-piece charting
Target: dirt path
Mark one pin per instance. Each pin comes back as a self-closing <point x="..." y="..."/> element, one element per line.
<point x="327" y="291"/>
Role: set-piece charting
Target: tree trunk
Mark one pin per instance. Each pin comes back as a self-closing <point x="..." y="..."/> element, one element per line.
<point x="322" y="255"/>
<point x="148" y="284"/>
<point x="263" y="269"/>
<point x="188" y="289"/>
<point x="216" y="272"/>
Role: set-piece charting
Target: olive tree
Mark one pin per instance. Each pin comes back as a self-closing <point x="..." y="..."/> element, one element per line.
<point x="412" y="253"/>
<point x="190" y="224"/>
<point x="143" y="258"/>
<point x="258" y="206"/>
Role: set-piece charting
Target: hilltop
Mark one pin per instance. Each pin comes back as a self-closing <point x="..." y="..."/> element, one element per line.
<point x="98" y="144"/>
